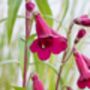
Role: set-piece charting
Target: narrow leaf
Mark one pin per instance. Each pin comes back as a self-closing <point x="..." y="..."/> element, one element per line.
<point x="13" y="7"/>
<point x="65" y="6"/>
<point x="21" y="45"/>
<point x="18" y="88"/>
<point x="45" y="10"/>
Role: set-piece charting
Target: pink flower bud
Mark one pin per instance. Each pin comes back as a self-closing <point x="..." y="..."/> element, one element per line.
<point x="30" y="6"/>
<point x="37" y="84"/>
<point x="80" y="35"/>
<point x="83" y="20"/>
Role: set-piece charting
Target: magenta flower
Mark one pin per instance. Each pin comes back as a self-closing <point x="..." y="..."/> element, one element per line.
<point x="83" y="20"/>
<point x="48" y="41"/>
<point x="37" y="84"/>
<point x="83" y="64"/>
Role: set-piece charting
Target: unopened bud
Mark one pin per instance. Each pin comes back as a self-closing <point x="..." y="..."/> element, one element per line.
<point x="80" y="35"/>
<point x="30" y="6"/>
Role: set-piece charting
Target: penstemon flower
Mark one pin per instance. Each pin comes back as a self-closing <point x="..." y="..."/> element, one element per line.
<point x="83" y="20"/>
<point x="83" y="64"/>
<point x="37" y="84"/>
<point x="48" y="40"/>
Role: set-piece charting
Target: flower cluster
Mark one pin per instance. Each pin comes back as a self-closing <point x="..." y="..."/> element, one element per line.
<point x="48" y="41"/>
<point x="83" y="64"/>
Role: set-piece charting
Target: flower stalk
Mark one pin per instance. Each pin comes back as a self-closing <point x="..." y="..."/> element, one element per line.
<point x="64" y="58"/>
<point x="27" y="35"/>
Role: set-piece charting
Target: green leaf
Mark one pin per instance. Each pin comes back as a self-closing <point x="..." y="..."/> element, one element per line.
<point x="21" y="45"/>
<point x="29" y="85"/>
<point x="2" y="20"/>
<point x="41" y="67"/>
<point x="31" y="38"/>
<point x="13" y="7"/>
<point x="45" y="10"/>
<point x="52" y="74"/>
<point x="65" y="6"/>
<point x="67" y="68"/>
<point x="38" y="66"/>
<point x="18" y="88"/>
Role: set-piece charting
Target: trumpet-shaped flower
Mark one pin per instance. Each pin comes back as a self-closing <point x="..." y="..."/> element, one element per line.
<point x="83" y="64"/>
<point x="48" y="41"/>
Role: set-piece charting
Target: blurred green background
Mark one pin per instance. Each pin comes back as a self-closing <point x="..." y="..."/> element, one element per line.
<point x="58" y="14"/>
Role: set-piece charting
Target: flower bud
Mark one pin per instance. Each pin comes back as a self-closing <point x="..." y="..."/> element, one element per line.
<point x="37" y="84"/>
<point x="83" y="20"/>
<point x="80" y="35"/>
<point x="30" y="6"/>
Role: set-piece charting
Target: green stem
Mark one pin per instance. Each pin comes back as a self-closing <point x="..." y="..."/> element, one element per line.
<point x="64" y="57"/>
<point x="27" y="33"/>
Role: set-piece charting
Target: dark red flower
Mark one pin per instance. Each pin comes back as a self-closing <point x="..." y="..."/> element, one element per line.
<point x="37" y="84"/>
<point x="83" y="64"/>
<point x="48" y="41"/>
<point x="30" y="6"/>
<point x="83" y="20"/>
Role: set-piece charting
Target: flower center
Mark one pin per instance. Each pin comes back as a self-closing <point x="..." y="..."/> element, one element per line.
<point x="43" y="46"/>
<point x="45" y="42"/>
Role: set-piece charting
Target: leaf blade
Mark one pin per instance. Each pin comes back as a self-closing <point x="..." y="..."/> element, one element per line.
<point x="12" y="14"/>
<point x="45" y="10"/>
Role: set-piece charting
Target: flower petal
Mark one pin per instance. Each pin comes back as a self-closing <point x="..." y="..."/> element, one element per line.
<point x="85" y="22"/>
<point x="37" y="85"/>
<point x="81" y="64"/>
<point x="88" y="83"/>
<point x="81" y="83"/>
<point x="44" y="53"/>
<point x="42" y="27"/>
<point x="59" y="45"/>
<point x="87" y="60"/>
<point x="34" y="46"/>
